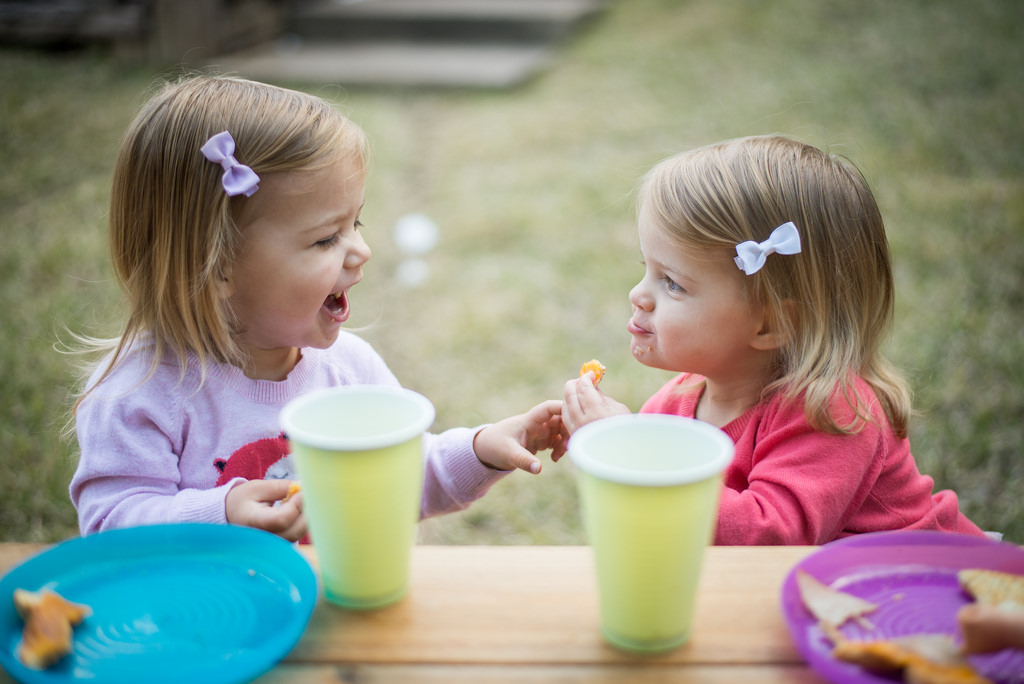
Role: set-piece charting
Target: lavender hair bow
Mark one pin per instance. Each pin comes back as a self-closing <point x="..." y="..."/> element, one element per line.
<point x="750" y="255"/>
<point x="238" y="179"/>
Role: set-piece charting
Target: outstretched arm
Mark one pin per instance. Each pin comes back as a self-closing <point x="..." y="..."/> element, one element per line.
<point x="513" y="442"/>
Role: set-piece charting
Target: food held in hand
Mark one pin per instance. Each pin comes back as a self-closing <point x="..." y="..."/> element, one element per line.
<point x="48" y="617"/>
<point x="594" y="366"/>
<point x="293" y="489"/>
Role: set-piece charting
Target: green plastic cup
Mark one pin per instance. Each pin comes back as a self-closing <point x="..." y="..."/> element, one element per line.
<point x="649" y="488"/>
<point x="359" y="453"/>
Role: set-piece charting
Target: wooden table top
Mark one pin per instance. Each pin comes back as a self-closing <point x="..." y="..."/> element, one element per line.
<point x="504" y="614"/>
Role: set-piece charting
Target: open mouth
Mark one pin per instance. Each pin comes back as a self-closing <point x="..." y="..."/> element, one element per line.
<point x="336" y="306"/>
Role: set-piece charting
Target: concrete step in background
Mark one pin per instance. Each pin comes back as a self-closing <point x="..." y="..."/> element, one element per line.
<point x="69" y="22"/>
<point x="470" y="21"/>
<point x="423" y="43"/>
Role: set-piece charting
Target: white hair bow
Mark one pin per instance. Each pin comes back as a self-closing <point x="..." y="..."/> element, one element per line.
<point x="238" y="179"/>
<point x="750" y="255"/>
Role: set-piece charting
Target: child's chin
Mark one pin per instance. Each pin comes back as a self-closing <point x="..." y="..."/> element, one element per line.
<point x="642" y="352"/>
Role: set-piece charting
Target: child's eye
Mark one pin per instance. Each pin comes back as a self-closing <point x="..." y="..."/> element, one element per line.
<point x="671" y="285"/>
<point x="327" y="242"/>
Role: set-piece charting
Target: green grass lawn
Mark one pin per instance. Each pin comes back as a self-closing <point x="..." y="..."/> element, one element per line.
<point x="532" y="191"/>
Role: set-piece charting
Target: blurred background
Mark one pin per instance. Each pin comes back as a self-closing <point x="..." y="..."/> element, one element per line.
<point x="513" y="133"/>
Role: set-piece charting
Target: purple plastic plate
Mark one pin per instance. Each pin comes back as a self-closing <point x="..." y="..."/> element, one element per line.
<point x="912" y="578"/>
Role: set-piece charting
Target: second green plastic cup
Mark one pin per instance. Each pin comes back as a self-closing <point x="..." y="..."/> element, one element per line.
<point x="359" y="453"/>
<point x="649" y="490"/>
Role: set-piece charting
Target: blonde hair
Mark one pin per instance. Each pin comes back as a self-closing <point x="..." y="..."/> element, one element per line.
<point x="833" y="302"/>
<point x="173" y="230"/>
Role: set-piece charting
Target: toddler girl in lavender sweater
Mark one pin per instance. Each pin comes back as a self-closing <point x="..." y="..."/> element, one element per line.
<point x="234" y="233"/>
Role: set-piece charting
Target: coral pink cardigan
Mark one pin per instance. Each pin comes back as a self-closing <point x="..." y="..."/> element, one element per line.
<point x="789" y="483"/>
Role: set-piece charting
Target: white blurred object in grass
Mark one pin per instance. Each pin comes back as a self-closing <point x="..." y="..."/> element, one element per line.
<point x="414" y="235"/>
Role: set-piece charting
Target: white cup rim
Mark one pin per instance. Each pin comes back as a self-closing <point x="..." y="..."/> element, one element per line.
<point x="295" y="431"/>
<point x="596" y="430"/>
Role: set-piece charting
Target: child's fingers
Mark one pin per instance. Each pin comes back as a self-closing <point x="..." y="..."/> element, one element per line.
<point x="990" y="628"/>
<point x="558" y="449"/>
<point x="524" y="460"/>
<point x="543" y="430"/>
<point x="587" y="387"/>
<point x="293" y="501"/>
<point x="581" y="400"/>
<point x="559" y="439"/>
<point x="572" y="410"/>
<point x="290" y="527"/>
<point x="571" y="395"/>
<point x="544" y="411"/>
<point x="269" y="491"/>
<point x="286" y="520"/>
<point x="296" y="530"/>
<point x="584" y="388"/>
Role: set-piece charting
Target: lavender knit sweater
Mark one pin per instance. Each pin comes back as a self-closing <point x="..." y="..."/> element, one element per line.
<point x="167" y="448"/>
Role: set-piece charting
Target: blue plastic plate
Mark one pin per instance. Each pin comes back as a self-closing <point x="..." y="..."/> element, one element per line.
<point x="170" y="603"/>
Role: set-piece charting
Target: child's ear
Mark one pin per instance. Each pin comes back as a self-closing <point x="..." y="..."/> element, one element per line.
<point x="776" y="327"/>
<point x="223" y="284"/>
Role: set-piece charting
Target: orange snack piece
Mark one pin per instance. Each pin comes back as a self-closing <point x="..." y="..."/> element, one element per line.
<point x="293" y="489"/>
<point x="593" y="365"/>
<point x="889" y="657"/>
<point x="49" y="617"/>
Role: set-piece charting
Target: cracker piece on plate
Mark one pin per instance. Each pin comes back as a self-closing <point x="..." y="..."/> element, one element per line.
<point x="994" y="588"/>
<point x="49" y="617"/>
<point x="919" y="658"/>
<point x="830" y="606"/>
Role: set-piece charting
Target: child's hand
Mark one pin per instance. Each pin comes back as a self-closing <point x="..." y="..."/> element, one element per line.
<point x="585" y="403"/>
<point x="988" y="628"/>
<point x="512" y="443"/>
<point x="252" y="504"/>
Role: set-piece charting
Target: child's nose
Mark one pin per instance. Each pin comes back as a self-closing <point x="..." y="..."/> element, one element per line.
<point x="639" y="298"/>
<point x="358" y="254"/>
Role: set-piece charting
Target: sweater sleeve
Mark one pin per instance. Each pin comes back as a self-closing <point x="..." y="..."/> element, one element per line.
<point x="128" y="474"/>
<point x="453" y="476"/>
